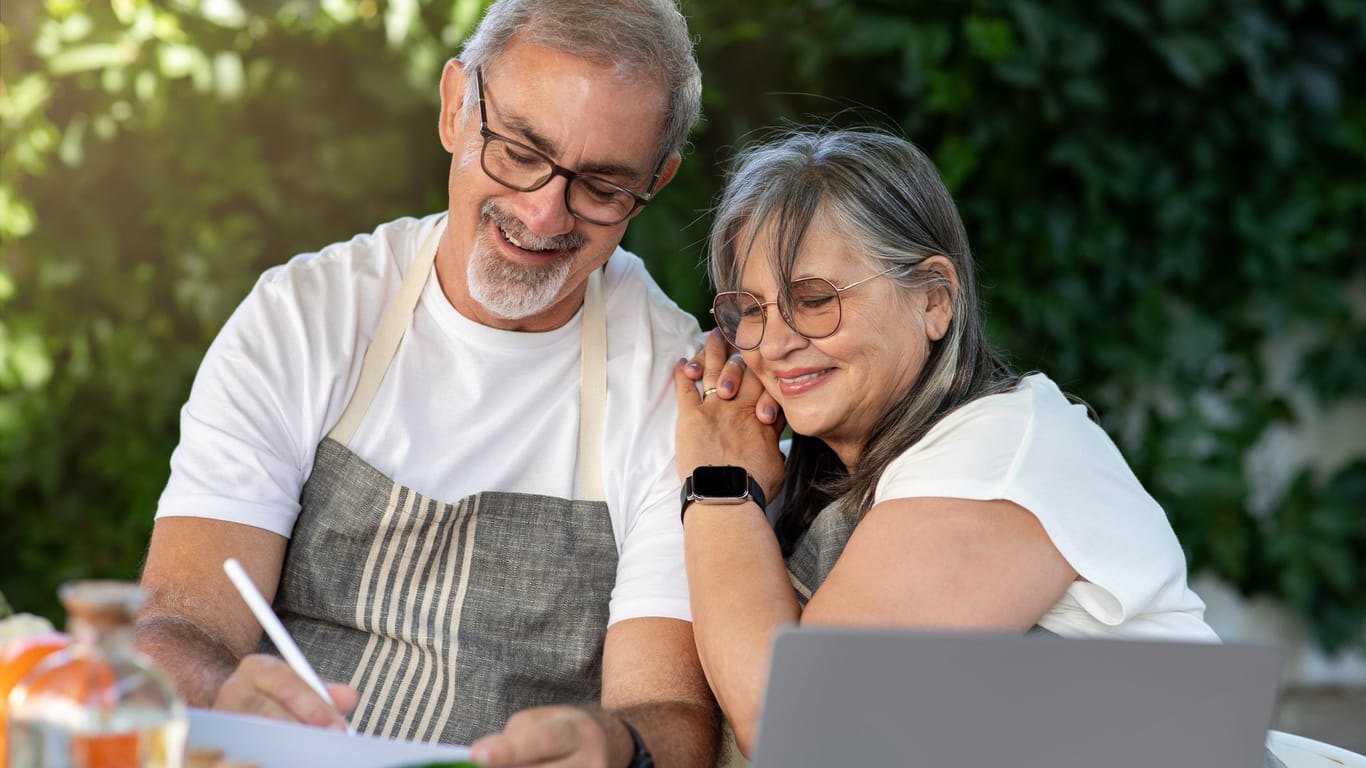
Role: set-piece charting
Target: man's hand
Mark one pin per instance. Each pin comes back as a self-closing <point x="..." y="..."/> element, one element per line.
<point x="651" y="677"/>
<point x="264" y="685"/>
<point x="567" y="737"/>
<point x="198" y="628"/>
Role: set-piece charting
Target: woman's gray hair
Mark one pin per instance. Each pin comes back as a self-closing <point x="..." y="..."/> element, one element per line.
<point x="886" y="198"/>
<point x="641" y="38"/>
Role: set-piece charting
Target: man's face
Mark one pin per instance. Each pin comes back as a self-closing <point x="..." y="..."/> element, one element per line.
<point x="518" y="260"/>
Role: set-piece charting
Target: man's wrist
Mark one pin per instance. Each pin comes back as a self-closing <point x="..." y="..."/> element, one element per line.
<point x="197" y="662"/>
<point x="640" y="754"/>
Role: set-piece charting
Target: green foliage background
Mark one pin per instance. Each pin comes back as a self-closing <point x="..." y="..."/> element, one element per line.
<point x="1167" y="199"/>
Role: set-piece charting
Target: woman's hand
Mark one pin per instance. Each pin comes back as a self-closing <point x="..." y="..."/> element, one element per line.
<point x="732" y="373"/>
<point x="725" y="431"/>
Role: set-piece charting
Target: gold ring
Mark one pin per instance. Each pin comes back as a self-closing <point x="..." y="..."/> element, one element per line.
<point x="707" y="391"/>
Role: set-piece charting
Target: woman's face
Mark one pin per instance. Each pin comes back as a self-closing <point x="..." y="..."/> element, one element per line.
<point x="837" y="388"/>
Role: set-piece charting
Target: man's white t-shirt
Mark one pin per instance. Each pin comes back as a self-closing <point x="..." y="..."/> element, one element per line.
<point x="463" y="408"/>
<point x="1035" y="448"/>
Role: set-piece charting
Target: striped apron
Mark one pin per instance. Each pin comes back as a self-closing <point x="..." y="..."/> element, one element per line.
<point x="818" y="548"/>
<point x="449" y="617"/>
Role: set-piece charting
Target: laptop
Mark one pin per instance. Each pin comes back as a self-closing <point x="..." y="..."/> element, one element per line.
<point x="871" y="697"/>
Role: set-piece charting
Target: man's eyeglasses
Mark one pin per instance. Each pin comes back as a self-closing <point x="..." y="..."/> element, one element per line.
<point x="517" y="166"/>
<point x="814" y="311"/>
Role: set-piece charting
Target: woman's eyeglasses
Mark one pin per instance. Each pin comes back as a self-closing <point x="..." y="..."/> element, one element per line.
<point x="814" y="310"/>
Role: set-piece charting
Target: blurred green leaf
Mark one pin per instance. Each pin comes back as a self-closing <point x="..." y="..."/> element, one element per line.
<point x="24" y="363"/>
<point x="91" y="57"/>
<point x="991" y="39"/>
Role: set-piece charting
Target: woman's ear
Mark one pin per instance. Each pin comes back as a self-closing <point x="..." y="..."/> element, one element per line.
<point x="453" y="84"/>
<point x="939" y="297"/>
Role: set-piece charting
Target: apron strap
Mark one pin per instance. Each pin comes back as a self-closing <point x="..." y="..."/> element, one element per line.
<point x="593" y="368"/>
<point x="386" y="339"/>
<point x="592" y="389"/>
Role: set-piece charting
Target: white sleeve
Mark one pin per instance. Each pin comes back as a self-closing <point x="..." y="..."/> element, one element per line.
<point x="651" y="577"/>
<point x="239" y="457"/>
<point x="261" y="401"/>
<point x="1034" y="448"/>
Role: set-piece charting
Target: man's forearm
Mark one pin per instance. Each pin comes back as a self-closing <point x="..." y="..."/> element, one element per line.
<point x="196" y="662"/>
<point x="677" y="733"/>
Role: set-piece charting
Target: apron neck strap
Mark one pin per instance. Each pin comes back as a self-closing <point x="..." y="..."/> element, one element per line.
<point x="387" y="336"/>
<point x="593" y="368"/>
<point x="592" y="389"/>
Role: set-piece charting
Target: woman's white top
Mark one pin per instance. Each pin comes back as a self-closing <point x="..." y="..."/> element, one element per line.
<point x="1034" y="447"/>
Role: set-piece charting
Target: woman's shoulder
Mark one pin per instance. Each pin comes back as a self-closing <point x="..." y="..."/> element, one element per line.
<point x="995" y="415"/>
<point x="978" y="446"/>
<point x="1035" y="401"/>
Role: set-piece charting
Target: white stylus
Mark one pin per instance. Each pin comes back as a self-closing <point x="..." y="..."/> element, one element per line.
<point x="277" y="632"/>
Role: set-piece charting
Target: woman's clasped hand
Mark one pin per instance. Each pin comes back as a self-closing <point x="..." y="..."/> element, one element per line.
<point x="722" y="424"/>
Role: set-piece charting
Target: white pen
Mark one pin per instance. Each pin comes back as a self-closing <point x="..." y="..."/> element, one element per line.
<point x="277" y="632"/>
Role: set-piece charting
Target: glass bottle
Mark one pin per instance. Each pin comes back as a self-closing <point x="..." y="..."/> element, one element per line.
<point x="99" y="703"/>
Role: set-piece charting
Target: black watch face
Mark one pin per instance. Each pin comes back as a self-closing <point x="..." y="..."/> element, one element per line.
<point x="720" y="482"/>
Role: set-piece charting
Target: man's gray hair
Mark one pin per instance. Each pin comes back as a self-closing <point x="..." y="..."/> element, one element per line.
<point x="646" y="38"/>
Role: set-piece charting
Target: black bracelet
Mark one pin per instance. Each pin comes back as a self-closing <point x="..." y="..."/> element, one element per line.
<point x="640" y="754"/>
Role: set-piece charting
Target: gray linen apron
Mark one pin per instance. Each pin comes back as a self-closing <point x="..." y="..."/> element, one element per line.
<point x="449" y="617"/>
<point x="821" y="545"/>
<point x="818" y="549"/>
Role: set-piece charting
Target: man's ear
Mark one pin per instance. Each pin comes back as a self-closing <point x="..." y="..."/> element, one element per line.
<point x="939" y="298"/>
<point x="666" y="175"/>
<point x="453" y="84"/>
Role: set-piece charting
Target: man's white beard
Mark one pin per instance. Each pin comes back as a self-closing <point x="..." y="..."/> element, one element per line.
<point x="511" y="291"/>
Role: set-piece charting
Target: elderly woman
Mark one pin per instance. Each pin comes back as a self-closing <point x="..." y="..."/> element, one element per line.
<point x="927" y="485"/>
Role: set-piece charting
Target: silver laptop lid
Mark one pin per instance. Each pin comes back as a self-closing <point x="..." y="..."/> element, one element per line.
<point x="863" y="697"/>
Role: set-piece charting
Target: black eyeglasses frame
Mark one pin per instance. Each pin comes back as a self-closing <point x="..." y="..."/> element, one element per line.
<point x="639" y="200"/>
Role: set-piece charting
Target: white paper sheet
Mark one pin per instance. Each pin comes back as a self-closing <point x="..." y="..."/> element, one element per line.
<point x="277" y="744"/>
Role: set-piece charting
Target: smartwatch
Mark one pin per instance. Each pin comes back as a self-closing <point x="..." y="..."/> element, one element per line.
<point x="720" y="485"/>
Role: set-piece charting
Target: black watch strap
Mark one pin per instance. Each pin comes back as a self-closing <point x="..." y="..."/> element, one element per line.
<point x="640" y="754"/>
<point x="756" y="494"/>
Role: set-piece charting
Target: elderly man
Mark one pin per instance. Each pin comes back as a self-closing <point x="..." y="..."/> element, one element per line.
<point x="444" y="449"/>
